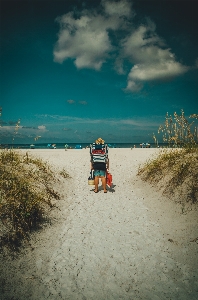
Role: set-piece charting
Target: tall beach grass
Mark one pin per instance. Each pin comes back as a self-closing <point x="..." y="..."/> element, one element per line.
<point x="26" y="195"/>
<point x="175" y="169"/>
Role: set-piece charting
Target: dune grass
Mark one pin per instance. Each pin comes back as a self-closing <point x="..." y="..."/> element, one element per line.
<point x="176" y="172"/>
<point x="26" y="195"/>
<point x="175" y="169"/>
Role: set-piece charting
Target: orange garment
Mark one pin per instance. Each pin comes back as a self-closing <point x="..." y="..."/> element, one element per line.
<point x="109" y="179"/>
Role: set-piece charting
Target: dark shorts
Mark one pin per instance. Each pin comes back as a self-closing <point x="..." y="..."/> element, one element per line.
<point x="99" y="173"/>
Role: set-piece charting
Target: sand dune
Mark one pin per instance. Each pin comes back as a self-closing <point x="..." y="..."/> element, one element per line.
<point x="131" y="243"/>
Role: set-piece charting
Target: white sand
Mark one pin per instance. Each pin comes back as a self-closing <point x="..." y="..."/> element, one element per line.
<point x="131" y="243"/>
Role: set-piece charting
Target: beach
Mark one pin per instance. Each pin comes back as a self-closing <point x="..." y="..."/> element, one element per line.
<point x="129" y="243"/>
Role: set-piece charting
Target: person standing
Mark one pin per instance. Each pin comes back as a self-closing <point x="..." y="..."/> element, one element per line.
<point x="99" y="163"/>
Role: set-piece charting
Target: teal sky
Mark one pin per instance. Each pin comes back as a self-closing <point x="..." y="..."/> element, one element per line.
<point x="73" y="71"/>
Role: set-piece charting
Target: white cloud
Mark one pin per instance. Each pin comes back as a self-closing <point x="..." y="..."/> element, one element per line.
<point x="86" y="39"/>
<point x="83" y="40"/>
<point x="71" y="101"/>
<point x="152" y="60"/>
<point x="83" y="102"/>
<point x="138" y="121"/>
<point x="143" y="45"/>
<point x="8" y="132"/>
<point x="134" y="86"/>
<point x="42" y="127"/>
<point x="109" y="32"/>
<point x="162" y="70"/>
<point x="10" y="128"/>
<point x="121" y="8"/>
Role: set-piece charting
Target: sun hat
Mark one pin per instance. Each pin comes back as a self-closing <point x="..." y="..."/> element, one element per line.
<point x="100" y="141"/>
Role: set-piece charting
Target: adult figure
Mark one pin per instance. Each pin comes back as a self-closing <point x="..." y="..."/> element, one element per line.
<point x="99" y="163"/>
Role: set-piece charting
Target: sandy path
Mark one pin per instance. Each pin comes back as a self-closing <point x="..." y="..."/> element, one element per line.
<point x="108" y="246"/>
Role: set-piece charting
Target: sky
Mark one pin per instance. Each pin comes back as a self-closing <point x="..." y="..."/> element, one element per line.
<point x="72" y="71"/>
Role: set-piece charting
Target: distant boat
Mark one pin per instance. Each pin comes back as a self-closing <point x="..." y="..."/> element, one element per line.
<point x="32" y="146"/>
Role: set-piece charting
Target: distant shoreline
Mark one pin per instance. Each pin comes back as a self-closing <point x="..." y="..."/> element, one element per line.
<point x="73" y="145"/>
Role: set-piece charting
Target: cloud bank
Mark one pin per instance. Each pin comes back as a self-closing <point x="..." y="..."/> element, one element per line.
<point x="92" y="37"/>
<point x="69" y="120"/>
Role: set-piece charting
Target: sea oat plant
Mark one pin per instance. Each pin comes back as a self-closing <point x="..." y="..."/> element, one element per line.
<point x="16" y="130"/>
<point x="27" y="194"/>
<point x="175" y="170"/>
<point x="178" y="131"/>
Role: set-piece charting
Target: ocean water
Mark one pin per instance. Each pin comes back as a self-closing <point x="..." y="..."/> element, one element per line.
<point x="73" y="145"/>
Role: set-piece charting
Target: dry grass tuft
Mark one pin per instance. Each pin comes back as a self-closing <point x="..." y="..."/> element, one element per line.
<point x="64" y="174"/>
<point x="26" y="194"/>
<point x="176" y="171"/>
<point x="179" y="130"/>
